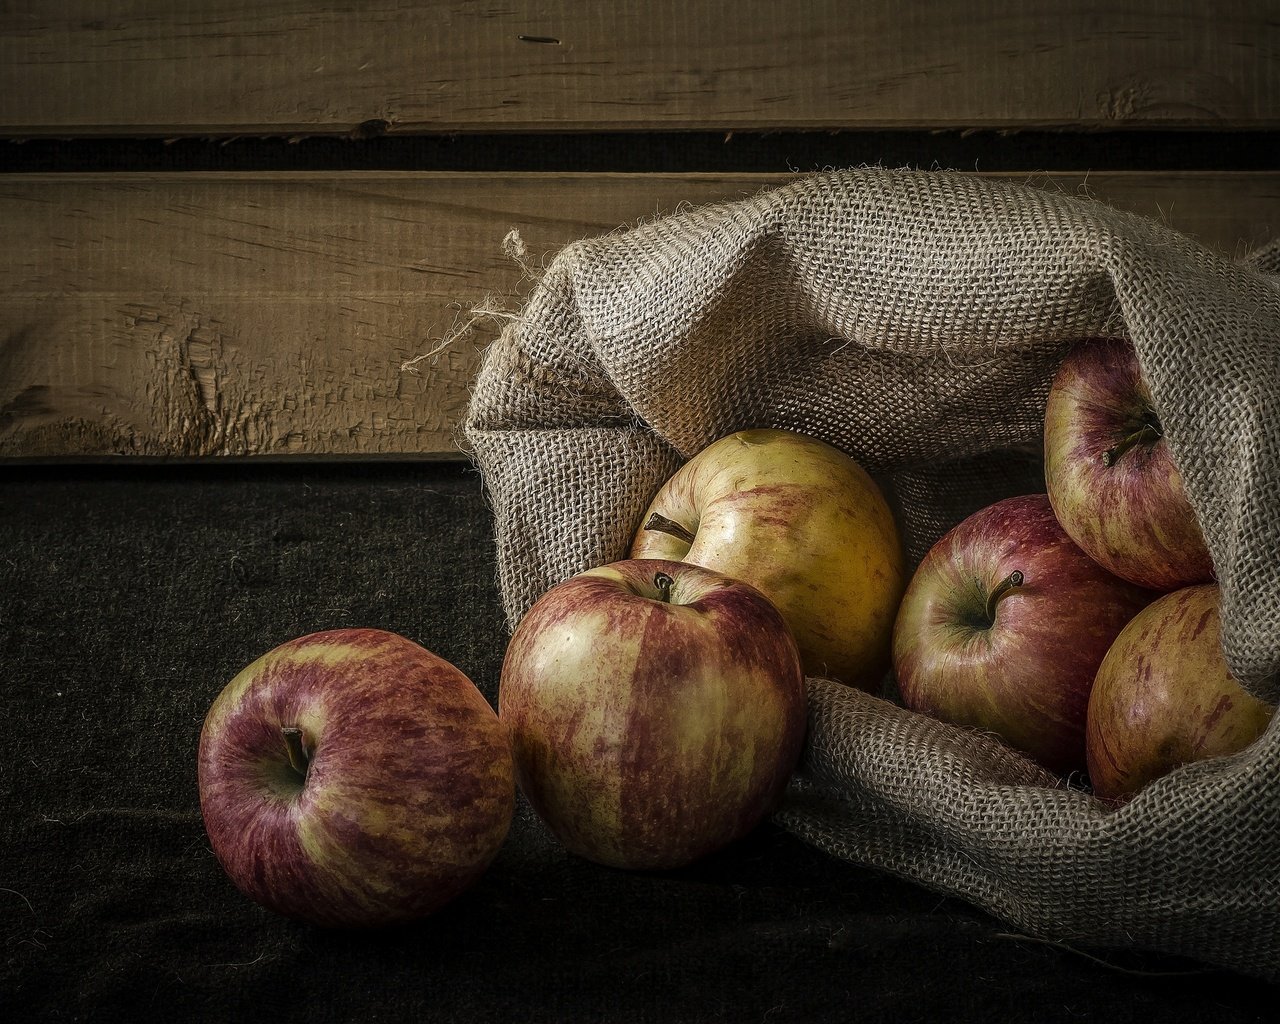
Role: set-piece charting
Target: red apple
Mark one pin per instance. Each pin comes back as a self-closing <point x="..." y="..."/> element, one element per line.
<point x="1003" y="627"/>
<point x="656" y="711"/>
<point x="1109" y="473"/>
<point x="354" y="778"/>
<point x="1164" y="696"/>
<point x="802" y="522"/>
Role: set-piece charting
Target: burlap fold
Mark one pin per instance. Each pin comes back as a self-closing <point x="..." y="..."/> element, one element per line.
<point x="914" y="319"/>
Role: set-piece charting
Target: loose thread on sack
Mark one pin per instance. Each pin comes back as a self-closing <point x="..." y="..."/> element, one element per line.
<point x="516" y="251"/>
<point x="455" y="334"/>
<point x="1190" y="972"/>
<point x="514" y="248"/>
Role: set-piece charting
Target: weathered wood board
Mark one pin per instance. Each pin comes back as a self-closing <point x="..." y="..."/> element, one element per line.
<point x="304" y="314"/>
<point x="154" y="67"/>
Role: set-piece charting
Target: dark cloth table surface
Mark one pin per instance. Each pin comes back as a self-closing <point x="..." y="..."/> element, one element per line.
<point x="130" y="595"/>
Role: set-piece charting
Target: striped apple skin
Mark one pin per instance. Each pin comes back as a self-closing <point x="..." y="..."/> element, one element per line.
<point x="646" y="733"/>
<point x="1133" y="517"/>
<point x="407" y="798"/>
<point x="1026" y="676"/>
<point x="1164" y="697"/>
<point x="808" y="527"/>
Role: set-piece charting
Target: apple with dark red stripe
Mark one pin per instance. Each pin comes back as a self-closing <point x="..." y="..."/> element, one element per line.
<point x="1164" y="696"/>
<point x="1003" y="627"/>
<point x="656" y="711"/>
<point x="1110" y="475"/>
<point x="353" y="778"/>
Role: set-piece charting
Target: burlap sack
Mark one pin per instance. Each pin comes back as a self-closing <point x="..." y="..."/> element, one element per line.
<point x="914" y="320"/>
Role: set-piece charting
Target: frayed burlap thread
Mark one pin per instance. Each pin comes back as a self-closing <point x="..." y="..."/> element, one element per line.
<point x="914" y="319"/>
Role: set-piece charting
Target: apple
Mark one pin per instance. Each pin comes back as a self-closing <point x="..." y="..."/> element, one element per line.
<point x="804" y="524"/>
<point x="1004" y="625"/>
<point x="1109" y="473"/>
<point x="656" y="711"/>
<point x="353" y="778"/>
<point x="1164" y="696"/>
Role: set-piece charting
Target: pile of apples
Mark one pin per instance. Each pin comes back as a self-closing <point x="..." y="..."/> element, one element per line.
<point x="653" y="710"/>
<point x="1082" y="625"/>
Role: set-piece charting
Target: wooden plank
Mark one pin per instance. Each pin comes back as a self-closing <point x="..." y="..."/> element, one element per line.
<point x="187" y="315"/>
<point x="294" y="66"/>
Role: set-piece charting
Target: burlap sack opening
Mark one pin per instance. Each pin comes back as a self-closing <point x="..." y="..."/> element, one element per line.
<point x="914" y="319"/>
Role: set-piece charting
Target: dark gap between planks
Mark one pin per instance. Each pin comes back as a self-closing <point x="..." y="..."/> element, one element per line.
<point x="660" y="152"/>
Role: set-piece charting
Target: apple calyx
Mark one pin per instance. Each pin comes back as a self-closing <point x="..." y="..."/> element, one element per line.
<point x="295" y="746"/>
<point x="664" y="583"/>
<point x="1149" y="433"/>
<point x="662" y="524"/>
<point x="1010" y="582"/>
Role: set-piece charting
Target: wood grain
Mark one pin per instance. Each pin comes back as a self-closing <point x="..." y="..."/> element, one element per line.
<point x="293" y="66"/>
<point x="188" y="315"/>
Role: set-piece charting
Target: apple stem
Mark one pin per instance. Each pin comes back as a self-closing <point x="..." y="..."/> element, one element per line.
<point x="1010" y="582"/>
<point x="662" y="524"/>
<point x="299" y="759"/>
<point x="1150" y="432"/>
<point x="664" y="583"/>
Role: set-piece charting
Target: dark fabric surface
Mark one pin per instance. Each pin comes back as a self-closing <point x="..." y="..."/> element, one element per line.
<point x="129" y="596"/>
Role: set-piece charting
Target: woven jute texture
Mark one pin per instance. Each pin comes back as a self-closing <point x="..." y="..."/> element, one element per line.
<point x="914" y="319"/>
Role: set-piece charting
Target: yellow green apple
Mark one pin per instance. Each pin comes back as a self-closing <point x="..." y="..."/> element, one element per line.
<point x="803" y="523"/>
